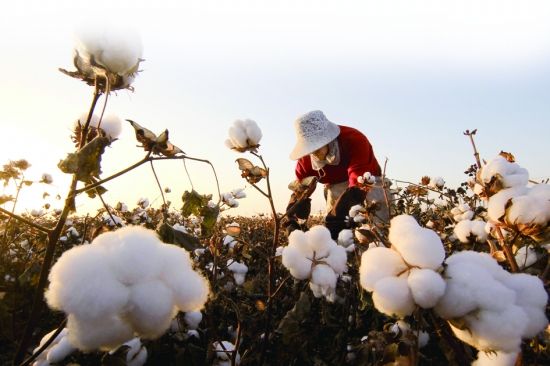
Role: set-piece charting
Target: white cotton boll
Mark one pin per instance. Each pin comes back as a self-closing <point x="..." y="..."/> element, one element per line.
<point x="495" y="359"/>
<point x="112" y="125"/>
<point x="136" y="256"/>
<point x="420" y="247"/>
<point x="437" y="182"/>
<point x="239" y="270"/>
<point x="253" y="132"/>
<point x="224" y="351"/>
<point x="494" y="330"/>
<point x="497" y="203"/>
<point x="512" y="174"/>
<point x="190" y="289"/>
<point x="102" y="333"/>
<point x="323" y="275"/>
<point x="237" y="136"/>
<point x="393" y="297"/>
<point x="139" y="359"/>
<point x="192" y="319"/>
<point x="320" y="241"/>
<point x="355" y="210"/>
<point x="427" y="287"/>
<point x="526" y="256"/>
<point x="482" y="260"/>
<point x="150" y="308"/>
<point x="60" y="350"/>
<point x="296" y="262"/>
<point x="478" y="229"/>
<point x="378" y="263"/>
<point x="82" y="283"/>
<point x="400" y="226"/>
<point x="238" y="193"/>
<point x="528" y="209"/>
<point x="423" y="339"/>
<point x="337" y="259"/>
<point x="345" y="238"/>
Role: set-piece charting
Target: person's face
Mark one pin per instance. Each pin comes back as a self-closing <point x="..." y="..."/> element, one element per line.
<point x="321" y="152"/>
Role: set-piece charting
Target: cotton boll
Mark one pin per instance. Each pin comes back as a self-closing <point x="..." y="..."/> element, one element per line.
<point x="323" y="275"/>
<point x="229" y="144"/>
<point x="239" y="270"/>
<point x="193" y="319"/>
<point x="466" y="228"/>
<point x="190" y="290"/>
<point x="224" y="351"/>
<point x="401" y="226"/>
<point x="337" y="259"/>
<point x="139" y="359"/>
<point x="378" y="263"/>
<point x="150" y="308"/>
<point x="392" y="296"/>
<point x="103" y="333"/>
<point x="497" y="202"/>
<point x="528" y="210"/>
<point x="511" y="174"/>
<point x="495" y="359"/>
<point x="81" y="282"/>
<point x="345" y="238"/>
<point x="426" y="286"/>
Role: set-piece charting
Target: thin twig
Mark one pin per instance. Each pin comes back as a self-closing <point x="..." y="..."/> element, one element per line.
<point x="24" y="220"/>
<point x="188" y="175"/>
<point x="471" y="134"/>
<point x="46" y="344"/>
<point x="158" y="183"/>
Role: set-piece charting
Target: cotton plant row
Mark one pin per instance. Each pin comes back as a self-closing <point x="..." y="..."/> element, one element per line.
<point x="125" y="283"/>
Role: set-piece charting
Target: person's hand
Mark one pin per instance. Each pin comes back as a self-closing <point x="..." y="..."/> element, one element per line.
<point x="300" y="209"/>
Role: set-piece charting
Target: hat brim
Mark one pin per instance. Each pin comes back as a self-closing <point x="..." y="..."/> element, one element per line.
<point x="303" y="148"/>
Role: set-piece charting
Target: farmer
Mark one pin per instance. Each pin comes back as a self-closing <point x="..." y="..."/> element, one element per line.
<point x="336" y="155"/>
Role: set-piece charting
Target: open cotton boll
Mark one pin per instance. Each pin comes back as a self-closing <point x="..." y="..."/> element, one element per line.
<point x="528" y="209"/>
<point x="190" y="290"/>
<point x="323" y="275"/>
<point x="192" y="319"/>
<point x="82" y="283"/>
<point x="495" y="359"/>
<point x="102" y="333"/>
<point x="296" y="262"/>
<point x="496" y="207"/>
<point x="466" y="228"/>
<point x="137" y="354"/>
<point x="111" y="125"/>
<point x="511" y="174"/>
<point x="393" y="297"/>
<point x="378" y="263"/>
<point x="462" y="212"/>
<point x="345" y="238"/>
<point x="401" y="226"/>
<point x="489" y="330"/>
<point x="118" y="50"/>
<point x="224" y="351"/>
<point x="239" y="270"/>
<point x="150" y="308"/>
<point x="427" y="287"/>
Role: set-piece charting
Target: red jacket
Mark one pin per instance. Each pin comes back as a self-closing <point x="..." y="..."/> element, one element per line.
<point x="356" y="158"/>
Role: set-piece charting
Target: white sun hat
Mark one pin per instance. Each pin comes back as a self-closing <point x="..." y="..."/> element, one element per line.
<point x="313" y="131"/>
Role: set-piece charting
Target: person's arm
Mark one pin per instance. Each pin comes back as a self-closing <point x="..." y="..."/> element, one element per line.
<point x="362" y="158"/>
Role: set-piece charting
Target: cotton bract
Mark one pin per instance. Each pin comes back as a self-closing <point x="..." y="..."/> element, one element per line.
<point x="315" y="256"/>
<point x="125" y="282"/>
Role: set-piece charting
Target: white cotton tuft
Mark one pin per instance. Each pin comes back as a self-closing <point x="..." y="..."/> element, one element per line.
<point x="462" y="212"/>
<point x="193" y="319"/>
<point x="320" y="241"/>
<point x="337" y="259"/>
<point x="526" y="256"/>
<point x="392" y="296"/>
<point x="239" y="270"/>
<point x="345" y="238"/>
<point x="112" y="125"/>
<point x="101" y="333"/>
<point x="531" y="208"/>
<point x="427" y="287"/>
<point x="418" y="246"/>
<point x="60" y="350"/>
<point x="465" y="229"/>
<point x="511" y="174"/>
<point x="437" y="182"/>
<point x="150" y="308"/>
<point x="496" y="207"/>
<point x="223" y="351"/>
<point x="237" y="136"/>
<point x="253" y="132"/>
<point x="378" y="263"/>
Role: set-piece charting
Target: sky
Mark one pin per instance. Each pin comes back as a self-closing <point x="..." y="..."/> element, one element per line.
<point x="411" y="75"/>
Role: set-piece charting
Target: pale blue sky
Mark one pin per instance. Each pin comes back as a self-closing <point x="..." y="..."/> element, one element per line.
<point x="412" y="75"/>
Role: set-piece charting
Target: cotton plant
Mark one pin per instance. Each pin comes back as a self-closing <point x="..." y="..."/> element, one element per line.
<point x="125" y="283"/>
<point x="489" y="308"/>
<point x="314" y="256"/>
<point x="407" y="274"/>
<point x="244" y="135"/>
<point x="57" y="351"/>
